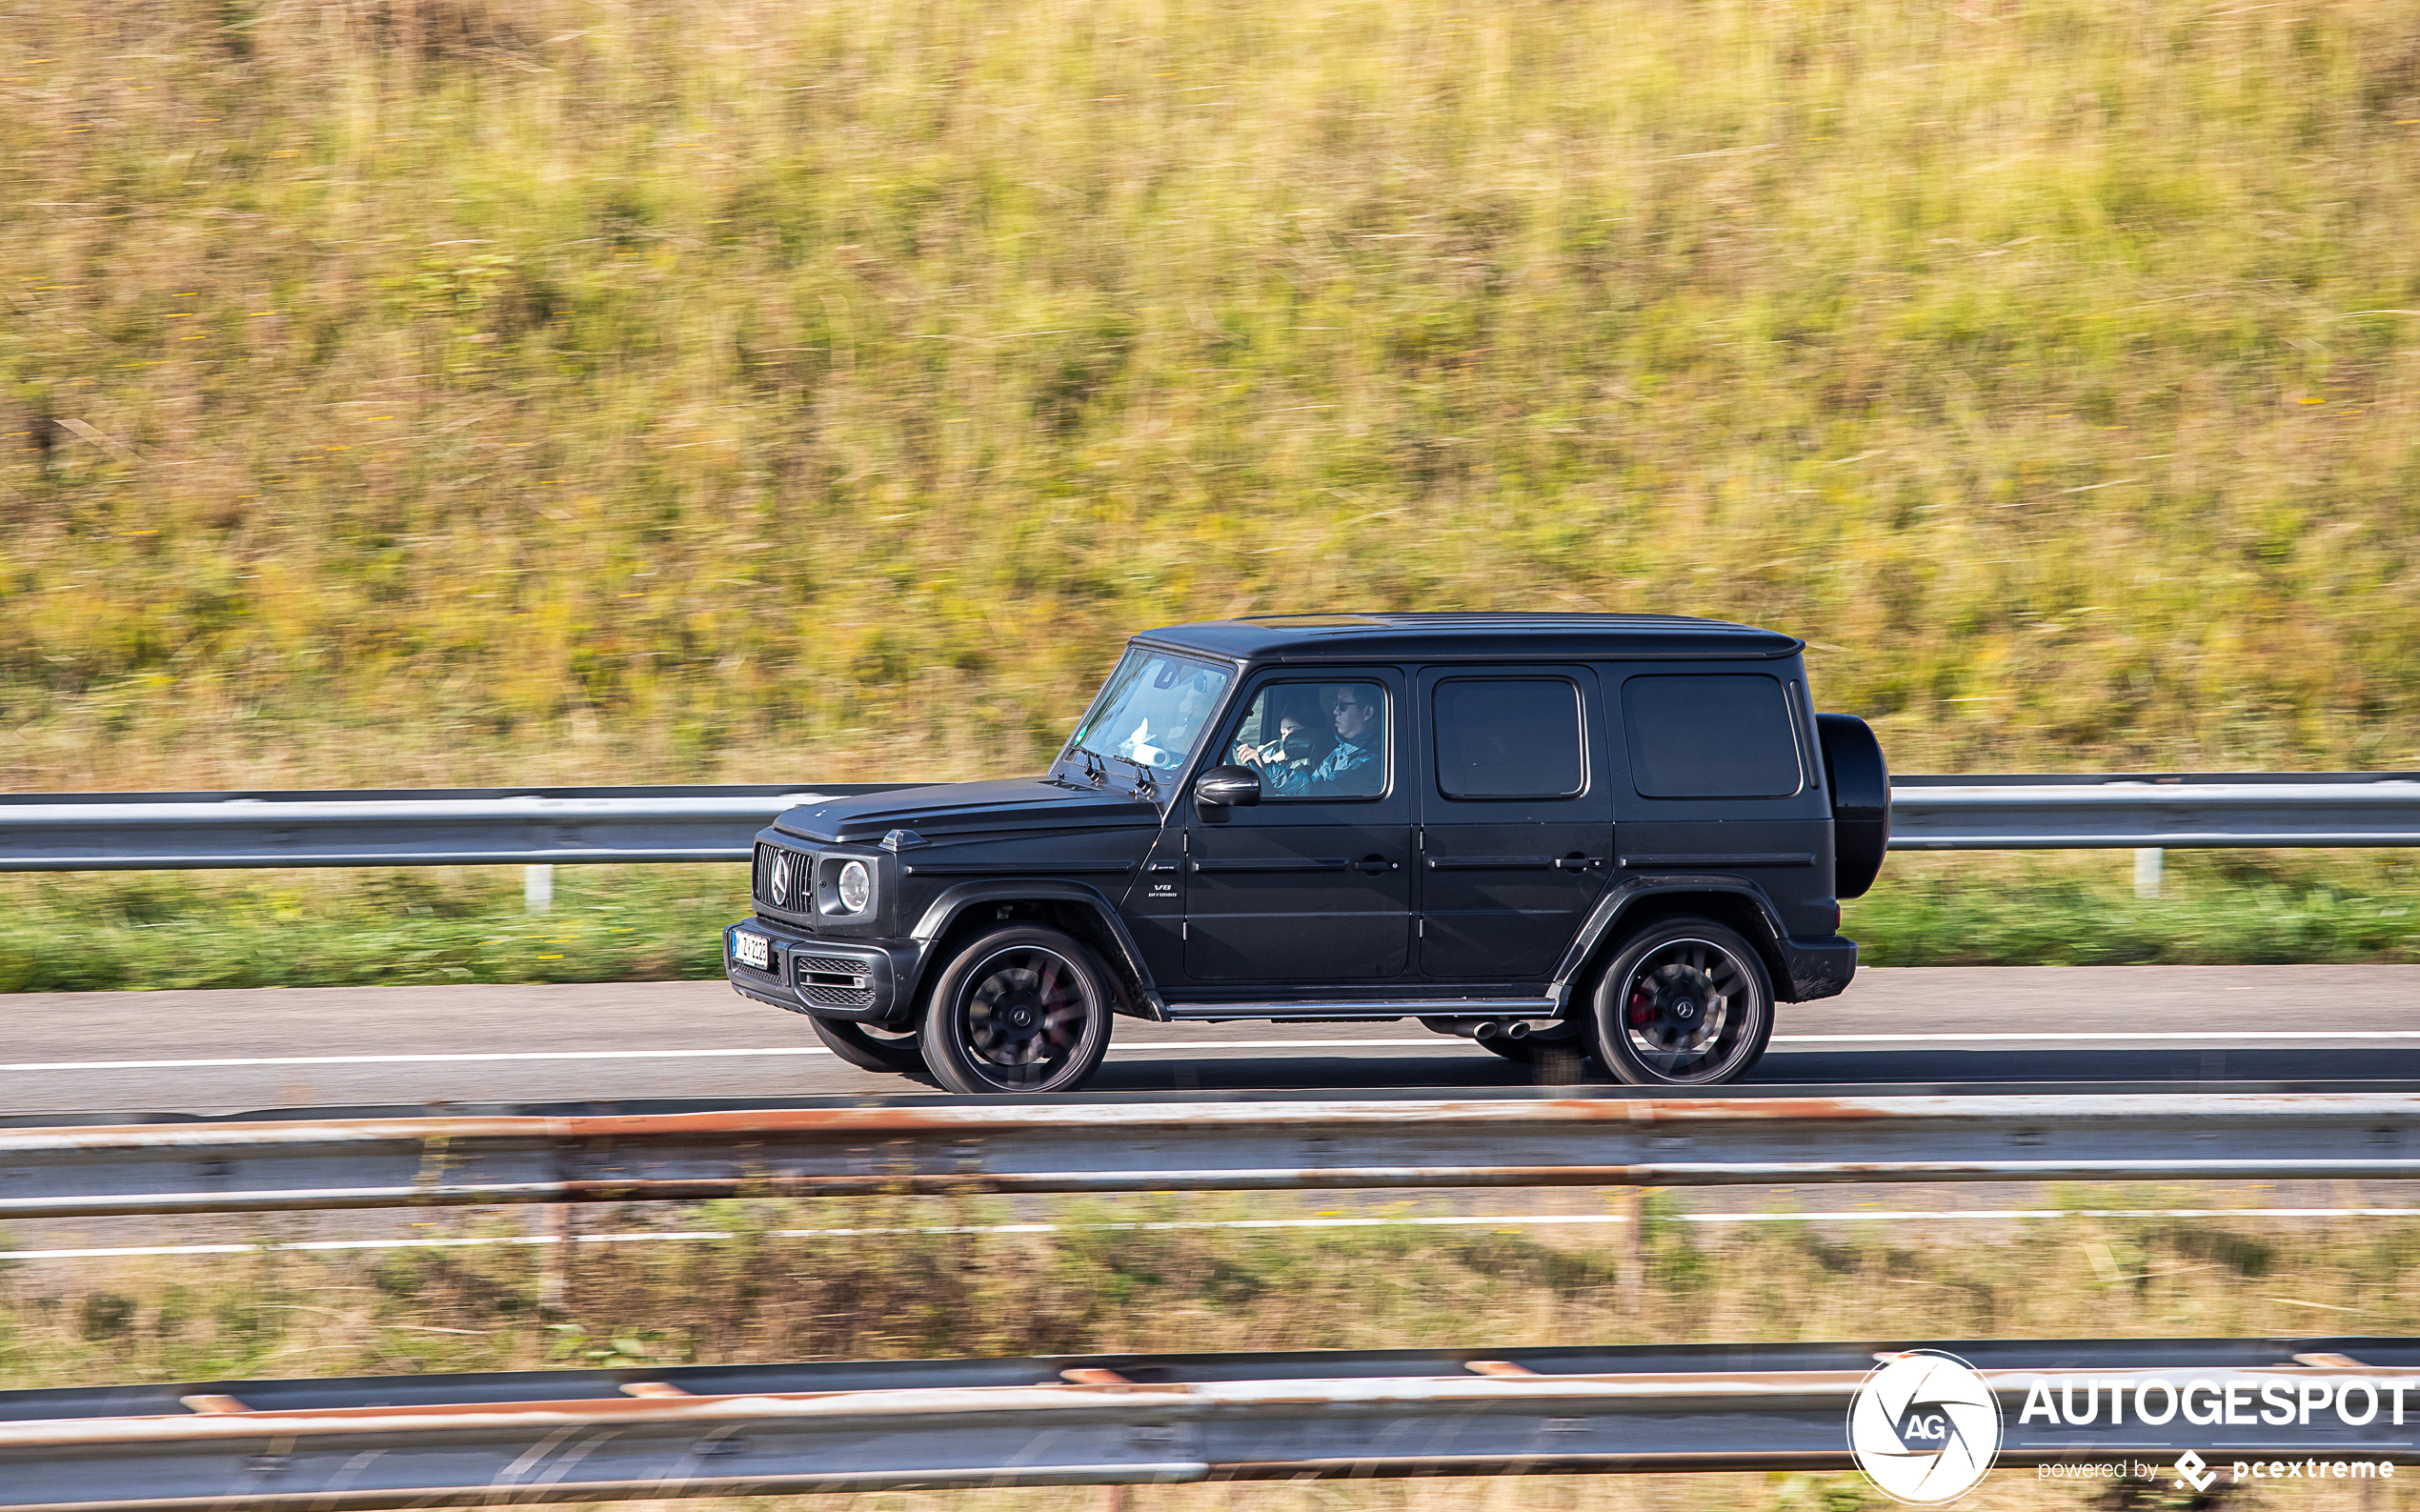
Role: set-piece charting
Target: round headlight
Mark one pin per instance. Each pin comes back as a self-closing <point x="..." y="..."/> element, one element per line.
<point x="857" y="887"/>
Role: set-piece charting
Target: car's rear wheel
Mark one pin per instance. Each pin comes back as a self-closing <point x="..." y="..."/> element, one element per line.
<point x="870" y="1046"/>
<point x="1021" y="1009"/>
<point x="1687" y="1003"/>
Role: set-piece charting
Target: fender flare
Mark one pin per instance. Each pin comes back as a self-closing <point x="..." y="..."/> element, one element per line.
<point x="1626" y="895"/>
<point x="953" y="902"/>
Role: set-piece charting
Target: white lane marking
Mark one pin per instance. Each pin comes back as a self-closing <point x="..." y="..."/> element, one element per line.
<point x="1149" y="1047"/>
<point x="1510" y="1220"/>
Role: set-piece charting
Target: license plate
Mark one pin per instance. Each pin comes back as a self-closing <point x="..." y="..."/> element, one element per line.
<point x="752" y="950"/>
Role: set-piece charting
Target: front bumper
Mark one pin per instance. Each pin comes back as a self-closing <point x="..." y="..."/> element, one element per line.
<point x="857" y="981"/>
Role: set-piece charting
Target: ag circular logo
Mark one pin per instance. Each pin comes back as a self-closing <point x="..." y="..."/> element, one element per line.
<point x="1923" y="1427"/>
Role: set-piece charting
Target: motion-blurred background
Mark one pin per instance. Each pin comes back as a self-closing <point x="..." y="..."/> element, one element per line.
<point x="691" y="389"/>
<point x="439" y="392"/>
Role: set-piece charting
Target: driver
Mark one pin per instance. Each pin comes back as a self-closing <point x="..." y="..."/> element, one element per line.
<point x="1352" y="770"/>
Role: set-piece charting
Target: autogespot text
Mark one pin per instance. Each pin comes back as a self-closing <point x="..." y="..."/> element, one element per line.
<point x="2271" y="1402"/>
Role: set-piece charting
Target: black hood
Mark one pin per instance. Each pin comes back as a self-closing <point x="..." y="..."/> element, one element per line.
<point x="962" y="809"/>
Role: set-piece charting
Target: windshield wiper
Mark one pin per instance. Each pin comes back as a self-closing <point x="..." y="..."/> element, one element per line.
<point x="1095" y="772"/>
<point x="1146" y="785"/>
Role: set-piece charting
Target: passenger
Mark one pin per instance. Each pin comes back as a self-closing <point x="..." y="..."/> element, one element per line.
<point x="1284" y="763"/>
<point x="1353" y="770"/>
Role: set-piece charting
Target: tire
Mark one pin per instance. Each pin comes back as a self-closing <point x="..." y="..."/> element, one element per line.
<point x="1022" y="1008"/>
<point x="868" y="1047"/>
<point x="1560" y="1055"/>
<point x="1688" y="1003"/>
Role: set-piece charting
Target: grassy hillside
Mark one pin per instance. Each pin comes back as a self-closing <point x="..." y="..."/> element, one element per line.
<point x="438" y="391"/>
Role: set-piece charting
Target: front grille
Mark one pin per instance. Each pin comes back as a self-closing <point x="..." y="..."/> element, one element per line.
<point x="783" y="878"/>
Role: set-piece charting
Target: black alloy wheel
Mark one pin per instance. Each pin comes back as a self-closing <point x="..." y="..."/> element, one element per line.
<point x="1022" y="1008"/>
<point x="1687" y="1003"/>
<point x="870" y="1046"/>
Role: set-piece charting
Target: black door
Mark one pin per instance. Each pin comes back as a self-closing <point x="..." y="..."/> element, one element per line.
<point x="1313" y="885"/>
<point x="1516" y="819"/>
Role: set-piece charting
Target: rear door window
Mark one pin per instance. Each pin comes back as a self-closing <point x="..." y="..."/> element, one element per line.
<point x="1510" y="738"/>
<point x="1723" y="736"/>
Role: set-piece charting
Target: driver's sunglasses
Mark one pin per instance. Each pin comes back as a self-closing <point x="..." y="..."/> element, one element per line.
<point x="1343" y="704"/>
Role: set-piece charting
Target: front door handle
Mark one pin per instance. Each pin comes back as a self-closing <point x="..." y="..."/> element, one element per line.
<point x="1375" y="865"/>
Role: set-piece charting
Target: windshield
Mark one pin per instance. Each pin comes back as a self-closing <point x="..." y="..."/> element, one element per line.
<point x="1153" y="710"/>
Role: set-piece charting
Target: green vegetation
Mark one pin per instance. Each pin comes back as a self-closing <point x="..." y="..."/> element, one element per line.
<point x="91" y="932"/>
<point x="107" y="931"/>
<point x="647" y="923"/>
<point x="2216" y="908"/>
<point x="447" y="392"/>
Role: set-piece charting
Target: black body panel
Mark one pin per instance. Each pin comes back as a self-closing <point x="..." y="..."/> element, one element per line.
<point x="1311" y="889"/>
<point x="1506" y="879"/>
<point x="1552" y="784"/>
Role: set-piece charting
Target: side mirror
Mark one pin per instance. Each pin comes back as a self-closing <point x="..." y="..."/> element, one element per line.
<point x="1237" y="786"/>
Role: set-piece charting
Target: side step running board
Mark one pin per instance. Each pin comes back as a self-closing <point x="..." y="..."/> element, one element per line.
<point x="1371" y="1008"/>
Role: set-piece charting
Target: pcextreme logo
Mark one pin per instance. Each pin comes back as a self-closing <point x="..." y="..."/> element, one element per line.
<point x="1923" y="1427"/>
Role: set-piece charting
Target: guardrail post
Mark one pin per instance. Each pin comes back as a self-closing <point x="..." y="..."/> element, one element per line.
<point x="537" y="889"/>
<point x="1634" y="1243"/>
<point x="2147" y="864"/>
<point x="554" y="1267"/>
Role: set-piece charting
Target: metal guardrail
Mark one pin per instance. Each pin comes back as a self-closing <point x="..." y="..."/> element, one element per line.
<point x="2178" y="811"/>
<point x="66" y="832"/>
<point x="544" y="826"/>
<point x="287" y="1166"/>
<point x="1113" y="1419"/>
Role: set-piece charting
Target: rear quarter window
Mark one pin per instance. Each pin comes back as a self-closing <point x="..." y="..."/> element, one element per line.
<point x="1723" y="736"/>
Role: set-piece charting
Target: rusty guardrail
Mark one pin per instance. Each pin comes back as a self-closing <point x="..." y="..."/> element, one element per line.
<point x="70" y="1171"/>
<point x="531" y="1438"/>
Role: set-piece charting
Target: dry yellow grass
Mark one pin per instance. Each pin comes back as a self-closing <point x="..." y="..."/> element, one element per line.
<point x="438" y="390"/>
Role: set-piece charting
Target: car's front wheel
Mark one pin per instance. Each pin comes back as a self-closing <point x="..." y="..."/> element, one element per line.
<point x="1687" y="1003"/>
<point x="1021" y="1009"/>
<point x="870" y="1047"/>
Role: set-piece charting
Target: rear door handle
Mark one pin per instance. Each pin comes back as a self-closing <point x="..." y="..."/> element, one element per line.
<point x="1375" y="865"/>
<point x="1578" y="863"/>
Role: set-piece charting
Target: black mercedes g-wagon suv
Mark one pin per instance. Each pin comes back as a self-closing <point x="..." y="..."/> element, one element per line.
<point x="1613" y="835"/>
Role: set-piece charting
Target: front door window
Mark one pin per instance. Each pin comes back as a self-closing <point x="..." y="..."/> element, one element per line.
<point x="1316" y="740"/>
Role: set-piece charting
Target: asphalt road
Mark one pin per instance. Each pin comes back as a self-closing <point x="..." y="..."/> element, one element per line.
<point x="225" y="1052"/>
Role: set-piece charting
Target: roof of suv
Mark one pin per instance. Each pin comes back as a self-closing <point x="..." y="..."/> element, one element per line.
<point x="1489" y="636"/>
